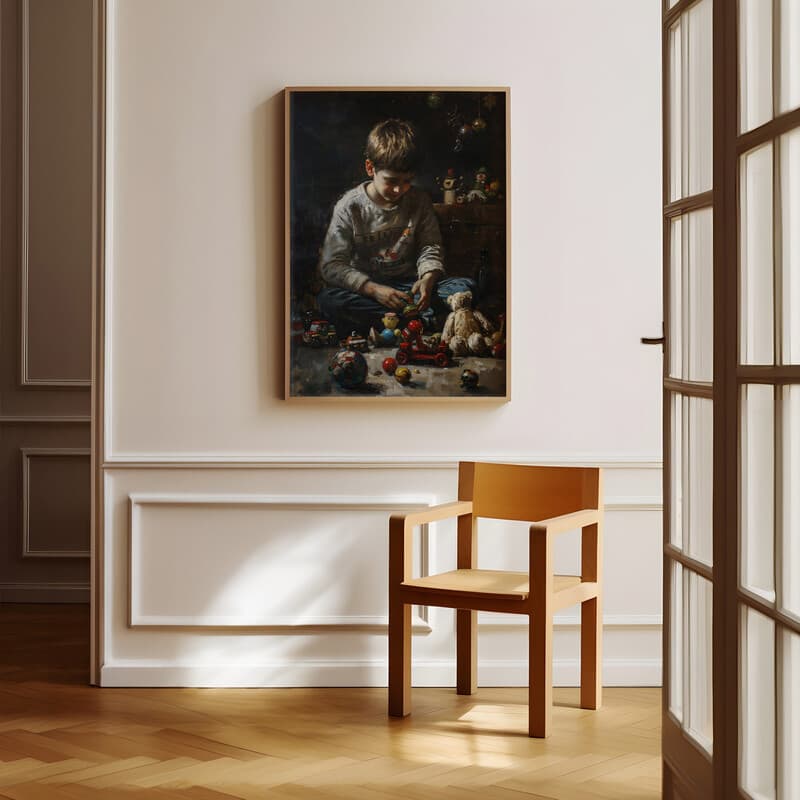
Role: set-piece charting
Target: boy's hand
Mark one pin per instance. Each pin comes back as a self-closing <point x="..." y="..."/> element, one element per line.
<point x="425" y="286"/>
<point x="386" y="295"/>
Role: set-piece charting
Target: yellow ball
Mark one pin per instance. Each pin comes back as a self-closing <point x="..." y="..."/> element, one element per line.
<point x="402" y="375"/>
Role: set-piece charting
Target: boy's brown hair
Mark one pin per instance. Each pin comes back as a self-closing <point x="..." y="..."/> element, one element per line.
<point x="392" y="144"/>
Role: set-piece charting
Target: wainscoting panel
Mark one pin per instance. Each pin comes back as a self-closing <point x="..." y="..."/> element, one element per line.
<point x="55" y="502"/>
<point x="274" y="568"/>
<point x="261" y="575"/>
<point x="45" y="299"/>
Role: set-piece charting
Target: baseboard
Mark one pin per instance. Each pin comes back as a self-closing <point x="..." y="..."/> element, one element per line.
<point x="44" y="592"/>
<point x="616" y="672"/>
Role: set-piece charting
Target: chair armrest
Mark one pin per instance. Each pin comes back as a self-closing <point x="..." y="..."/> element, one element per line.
<point x="401" y="527"/>
<point x="567" y="522"/>
<point x="459" y="508"/>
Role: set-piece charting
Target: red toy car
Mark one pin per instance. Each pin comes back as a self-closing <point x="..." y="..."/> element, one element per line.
<point x="413" y="349"/>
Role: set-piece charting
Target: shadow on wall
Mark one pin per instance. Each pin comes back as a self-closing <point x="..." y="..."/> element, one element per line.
<point x="268" y="230"/>
<point x="326" y="572"/>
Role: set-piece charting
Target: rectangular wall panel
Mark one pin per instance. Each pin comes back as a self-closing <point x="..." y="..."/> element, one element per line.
<point x="56" y="191"/>
<point x="244" y="560"/>
<point x="56" y="503"/>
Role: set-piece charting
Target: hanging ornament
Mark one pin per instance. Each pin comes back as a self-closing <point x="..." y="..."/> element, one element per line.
<point x="489" y="101"/>
<point x="479" y="123"/>
<point x="465" y="130"/>
<point x="434" y="100"/>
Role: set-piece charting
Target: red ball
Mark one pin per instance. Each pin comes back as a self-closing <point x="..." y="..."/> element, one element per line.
<point x="415" y="326"/>
<point x="389" y="366"/>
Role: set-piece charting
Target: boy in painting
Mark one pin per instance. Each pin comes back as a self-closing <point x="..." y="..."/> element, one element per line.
<point x="383" y="248"/>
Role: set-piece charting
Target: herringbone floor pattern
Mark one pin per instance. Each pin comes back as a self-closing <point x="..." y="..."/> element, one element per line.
<point x="63" y="740"/>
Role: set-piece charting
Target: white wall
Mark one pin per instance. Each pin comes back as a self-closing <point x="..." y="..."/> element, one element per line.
<point x="195" y="347"/>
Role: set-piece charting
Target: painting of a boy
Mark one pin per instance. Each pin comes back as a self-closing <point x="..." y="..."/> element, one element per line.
<point x="383" y="248"/>
<point x="396" y="242"/>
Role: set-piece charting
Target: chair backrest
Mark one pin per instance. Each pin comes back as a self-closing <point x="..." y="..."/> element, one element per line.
<point x="529" y="493"/>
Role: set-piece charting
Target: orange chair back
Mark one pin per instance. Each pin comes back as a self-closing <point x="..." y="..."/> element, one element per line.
<point x="528" y="493"/>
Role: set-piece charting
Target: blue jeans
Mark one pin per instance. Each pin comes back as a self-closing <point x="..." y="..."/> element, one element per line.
<point x="350" y="311"/>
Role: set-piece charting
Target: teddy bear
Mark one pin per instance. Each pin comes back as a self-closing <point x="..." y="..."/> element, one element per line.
<point x="466" y="330"/>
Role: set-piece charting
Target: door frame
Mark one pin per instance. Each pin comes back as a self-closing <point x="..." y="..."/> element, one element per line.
<point x="99" y="132"/>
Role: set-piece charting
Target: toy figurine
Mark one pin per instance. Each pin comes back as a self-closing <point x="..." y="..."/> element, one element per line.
<point x="450" y="186"/>
<point x="391" y="333"/>
<point x="355" y="341"/>
<point x="412" y="335"/>
<point x="478" y="190"/>
<point x="319" y="332"/>
<point x="402" y="375"/>
<point x="493" y="190"/>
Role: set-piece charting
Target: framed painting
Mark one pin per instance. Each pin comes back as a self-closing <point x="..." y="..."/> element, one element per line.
<point x="397" y="273"/>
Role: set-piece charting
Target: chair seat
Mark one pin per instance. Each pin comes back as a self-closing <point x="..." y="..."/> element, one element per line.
<point x="500" y="585"/>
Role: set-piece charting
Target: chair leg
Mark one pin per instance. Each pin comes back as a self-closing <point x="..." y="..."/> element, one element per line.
<point x="466" y="652"/>
<point x="540" y="673"/>
<point x="399" y="659"/>
<point x="591" y="653"/>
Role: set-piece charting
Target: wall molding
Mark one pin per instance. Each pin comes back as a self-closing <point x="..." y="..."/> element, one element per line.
<point x="25" y="379"/>
<point x="27" y="454"/>
<point x="342" y="673"/>
<point x="644" y="503"/>
<point x="489" y="620"/>
<point x="44" y="592"/>
<point x="209" y="461"/>
<point x="14" y="419"/>
<point x="337" y="503"/>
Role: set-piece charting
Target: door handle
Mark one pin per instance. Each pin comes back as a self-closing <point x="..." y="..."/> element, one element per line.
<point x="654" y="339"/>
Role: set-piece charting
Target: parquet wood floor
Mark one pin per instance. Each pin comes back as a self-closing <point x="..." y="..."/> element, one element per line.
<point x="61" y="739"/>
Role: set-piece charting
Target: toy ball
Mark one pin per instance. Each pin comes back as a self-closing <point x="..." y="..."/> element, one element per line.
<point x="402" y="375"/>
<point x="469" y="379"/>
<point x="415" y="326"/>
<point x="348" y="368"/>
<point x="387" y="336"/>
<point x="389" y="366"/>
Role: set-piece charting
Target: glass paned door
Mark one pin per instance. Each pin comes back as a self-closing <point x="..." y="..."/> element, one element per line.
<point x="768" y="385"/>
<point x="731" y="723"/>
<point x="689" y="223"/>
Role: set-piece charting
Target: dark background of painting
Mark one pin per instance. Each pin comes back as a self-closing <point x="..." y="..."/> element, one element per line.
<point x="327" y="136"/>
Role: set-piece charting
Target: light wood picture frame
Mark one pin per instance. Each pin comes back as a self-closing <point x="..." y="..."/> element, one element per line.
<point x="397" y="279"/>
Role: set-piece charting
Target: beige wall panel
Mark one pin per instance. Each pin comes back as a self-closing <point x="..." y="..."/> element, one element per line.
<point x="57" y="172"/>
<point x="45" y="312"/>
<point x="196" y="174"/>
<point x="16" y="400"/>
<point x="15" y="569"/>
<point x="56" y="503"/>
<point x="269" y="571"/>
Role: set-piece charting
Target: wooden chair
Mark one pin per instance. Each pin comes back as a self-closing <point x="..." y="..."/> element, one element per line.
<point x="554" y="500"/>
